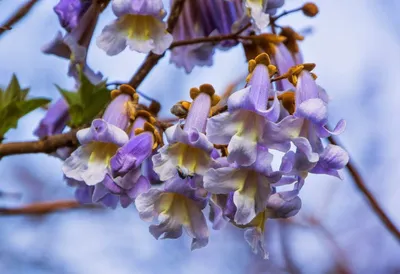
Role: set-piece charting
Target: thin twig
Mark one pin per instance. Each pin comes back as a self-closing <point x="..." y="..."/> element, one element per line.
<point x="41" y="208"/>
<point x="18" y="15"/>
<point x="152" y="58"/>
<point x="358" y="180"/>
<point x="284" y="13"/>
<point x="211" y="39"/>
<point x="48" y="145"/>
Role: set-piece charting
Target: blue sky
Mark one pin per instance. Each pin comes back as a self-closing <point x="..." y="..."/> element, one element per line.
<point x="356" y="46"/>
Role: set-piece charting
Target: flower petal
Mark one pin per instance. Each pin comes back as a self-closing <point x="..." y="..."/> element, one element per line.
<point x="278" y="135"/>
<point x="255" y="238"/>
<point x="314" y="110"/>
<point x="140" y="7"/>
<point x="77" y="163"/>
<point x="165" y="162"/>
<point x="242" y="150"/>
<point x="283" y="205"/>
<point x="142" y="185"/>
<point x="132" y="154"/>
<point x="145" y="204"/>
<point x="169" y="227"/>
<point x="222" y="127"/>
<point x="102" y="131"/>
<point x="197" y="226"/>
<point x="222" y="180"/>
<point x="323" y="132"/>
<point x="112" y="40"/>
<point x="304" y="145"/>
<point x="331" y="160"/>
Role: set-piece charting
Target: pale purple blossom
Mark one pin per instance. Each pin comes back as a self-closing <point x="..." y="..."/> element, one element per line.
<point x="139" y="26"/>
<point x="55" y="120"/>
<point x="75" y="43"/>
<point x="177" y="207"/>
<point x="90" y="161"/>
<point x="69" y="12"/>
<point x="250" y="123"/>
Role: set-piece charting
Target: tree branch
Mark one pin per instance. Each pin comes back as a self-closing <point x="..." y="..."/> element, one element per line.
<point x="358" y="180"/>
<point x="18" y="15"/>
<point x="152" y="58"/>
<point x="48" y="145"/>
<point x="44" y="208"/>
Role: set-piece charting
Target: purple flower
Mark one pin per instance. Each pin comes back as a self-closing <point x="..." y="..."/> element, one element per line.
<point x="256" y="10"/>
<point x="91" y="161"/>
<point x="85" y="194"/>
<point x="69" y="12"/>
<point x="280" y="205"/>
<point x="54" y="121"/>
<point x="291" y="44"/>
<point x="175" y="209"/>
<point x="283" y="60"/>
<point x="313" y="109"/>
<point x="249" y="123"/>
<point x="132" y="154"/>
<point x="284" y="204"/>
<point x="188" y="152"/>
<point x="251" y="186"/>
<point x="202" y="19"/>
<point x="126" y="188"/>
<point x="222" y="209"/>
<point x="139" y="25"/>
<point x="74" y="44"/>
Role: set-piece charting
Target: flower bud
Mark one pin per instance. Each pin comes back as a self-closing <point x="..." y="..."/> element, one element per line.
<point x="310" y="9"/>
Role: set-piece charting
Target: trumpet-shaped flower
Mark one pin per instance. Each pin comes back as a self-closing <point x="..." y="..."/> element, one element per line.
<point x="126" y="188"/>
<point x="251" y="186"/>
<point x="85" y="194"/>
<point x="80" y="20"/>
<point x="70" y="12"/>
<point x="139" y="25"/>
<point x="280" y="205"/>
<point x="91" y="161"/>
<point x="188" y="152"/>
<point x="250" y="121"/>
<point x="176" y="208"/>
<point x="55" y="119"/>
<point x="202" y="19"/>
<point x="312" y="108"/>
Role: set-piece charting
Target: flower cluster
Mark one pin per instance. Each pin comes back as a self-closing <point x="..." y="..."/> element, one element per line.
<point x="107" y="168"/>
<point x="214" y="159"/>
<point x="222" y="160"/>
<point x="216" y="17"/>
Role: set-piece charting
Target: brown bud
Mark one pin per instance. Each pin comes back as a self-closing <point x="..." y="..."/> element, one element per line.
<point x="180" y="109"/>
<point x="288" y="101"/>
<point x="154" y="107"/>
<point x="310" y="9"/>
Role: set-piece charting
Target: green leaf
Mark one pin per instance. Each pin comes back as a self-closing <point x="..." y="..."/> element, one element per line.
<point x="87" y="102"/>
<point x="9" y="117"/>
<point x="13" y="105"/>
<point x="13" y="91"/>
<point x="14" y="111"/>
<point x="72" y="98"/>
<point x="29" y="105"/>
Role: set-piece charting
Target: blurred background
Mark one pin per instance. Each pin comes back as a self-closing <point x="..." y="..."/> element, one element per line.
<point x="356" y="46"/>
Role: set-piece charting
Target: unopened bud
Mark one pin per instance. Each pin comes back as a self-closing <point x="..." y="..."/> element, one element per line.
<point x="310" y="9"/>
<point x="154" y="107"/>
